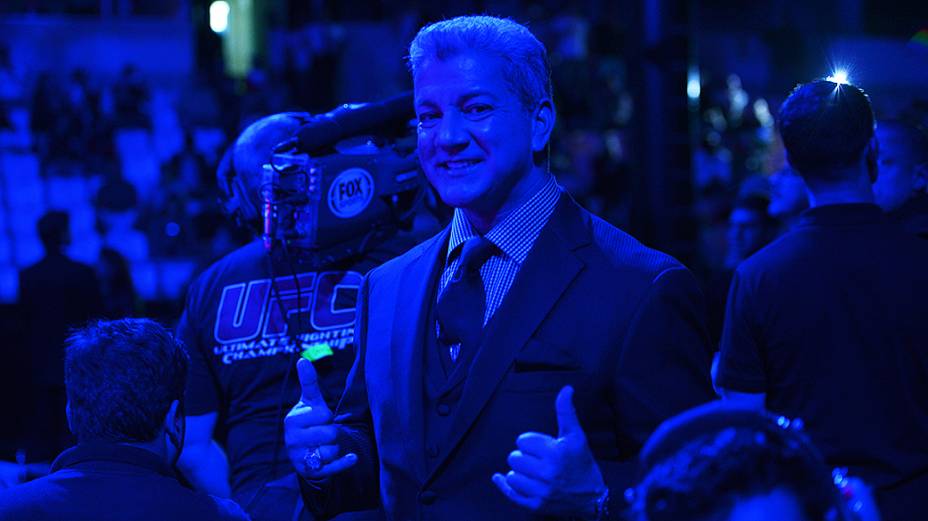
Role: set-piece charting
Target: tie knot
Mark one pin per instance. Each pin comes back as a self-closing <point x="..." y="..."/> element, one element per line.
<point x="475" y="252"/>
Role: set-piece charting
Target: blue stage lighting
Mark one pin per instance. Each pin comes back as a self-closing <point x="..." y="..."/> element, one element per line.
<point x="839" y="76"/>
<point x="219" y="16"/>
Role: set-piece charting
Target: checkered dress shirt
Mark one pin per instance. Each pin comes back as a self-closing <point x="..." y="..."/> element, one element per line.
<point x="514" y="238"/>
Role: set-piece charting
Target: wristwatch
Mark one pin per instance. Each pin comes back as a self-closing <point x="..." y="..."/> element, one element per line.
<point x="603" y="512"/>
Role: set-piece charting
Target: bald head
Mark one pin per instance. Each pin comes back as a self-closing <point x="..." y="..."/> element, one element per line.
<point x="255" y="144"/>
<point x="239" y="174"/>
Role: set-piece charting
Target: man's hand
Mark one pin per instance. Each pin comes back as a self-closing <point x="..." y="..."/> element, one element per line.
<point x="309" y="432"/>
<point x="554" y="476"/>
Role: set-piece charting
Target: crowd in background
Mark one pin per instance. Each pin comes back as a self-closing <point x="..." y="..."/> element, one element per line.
<point x="133" y="164"/>
<point x="115" y="181"/>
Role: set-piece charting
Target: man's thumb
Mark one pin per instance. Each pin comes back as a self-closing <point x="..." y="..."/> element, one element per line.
<point x="567" y="422"/>
<point x="309" y="383"/>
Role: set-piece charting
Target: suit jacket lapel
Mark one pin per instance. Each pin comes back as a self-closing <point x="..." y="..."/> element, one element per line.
<point x="545" y="275"/>
<point x="416" y="288"/>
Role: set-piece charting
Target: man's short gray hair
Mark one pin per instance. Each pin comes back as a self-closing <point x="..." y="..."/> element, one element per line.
<point x="526" y="61"/>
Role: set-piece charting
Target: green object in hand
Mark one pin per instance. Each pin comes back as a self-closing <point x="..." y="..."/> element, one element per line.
<point x="317" y="351"/>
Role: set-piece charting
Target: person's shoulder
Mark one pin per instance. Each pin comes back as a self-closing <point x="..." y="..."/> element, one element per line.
<point x="248" y="254"/>
<point x="252" y="251"/>
<point x="57" y="269"/>
<point x="624" y="252"/>
<point x="228" y="510"/>
<point x="187" y="501"/>
<point x="905" y="239"/>
<point x="85" y="270"/>
<point x="30" y="271"/>
<point x="388" y="249"/>
<point x="31" y="500"/>
<point x="777" y="255"/>
<point x="396" y="264"/>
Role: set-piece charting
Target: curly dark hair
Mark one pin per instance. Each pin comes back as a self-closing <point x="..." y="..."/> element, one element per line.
<point x="707" y="476"/>
<point x="121" y="378"/>
<point x="825" y="128"/>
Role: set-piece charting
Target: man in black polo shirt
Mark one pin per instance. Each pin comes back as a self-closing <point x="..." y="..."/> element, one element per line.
<point x="827" y="324"/>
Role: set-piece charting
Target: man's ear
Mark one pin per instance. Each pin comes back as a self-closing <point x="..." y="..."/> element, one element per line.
<point x="174" y="425"/>
<point x="542" y="125"/>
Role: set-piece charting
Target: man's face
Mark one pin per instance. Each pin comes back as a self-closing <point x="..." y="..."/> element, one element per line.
<point x="746" y="233"/>
<point x="475" y="136"/>
<point x="788" y="195"/>
<point x="895" y="181"/>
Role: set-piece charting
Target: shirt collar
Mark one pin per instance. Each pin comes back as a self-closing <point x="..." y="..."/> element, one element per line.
<point x="515" y="235"/>
<point x="113" y="452"/>
<point x="845" y="214"/>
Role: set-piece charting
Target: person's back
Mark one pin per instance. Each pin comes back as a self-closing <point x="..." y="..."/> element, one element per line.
<point x="55" y="294"/>
<point x="827" y="323"/>
<point x="125" y="384"/>
<point x="839" y="307"/>
<point x="109" y="481"/>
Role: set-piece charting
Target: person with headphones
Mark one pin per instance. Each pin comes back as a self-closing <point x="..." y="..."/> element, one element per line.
<point x="827" y="323"/>
<point x="723" y="462"/>
<point x="247" y="320"/>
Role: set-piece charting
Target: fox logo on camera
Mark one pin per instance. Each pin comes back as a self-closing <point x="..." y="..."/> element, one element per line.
<point x="351" y="192"/>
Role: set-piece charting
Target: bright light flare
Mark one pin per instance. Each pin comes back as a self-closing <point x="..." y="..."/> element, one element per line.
<point x="219" y="16"/>
<point x="693" y="87"/>
<point x="839" y="77"/>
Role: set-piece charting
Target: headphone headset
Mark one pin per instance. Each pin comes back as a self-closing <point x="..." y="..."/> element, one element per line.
<point x="237" y="195"/>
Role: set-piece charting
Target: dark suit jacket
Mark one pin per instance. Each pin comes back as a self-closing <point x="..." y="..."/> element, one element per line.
<point x="590" y="307"/>
<point x="108" y="481"/>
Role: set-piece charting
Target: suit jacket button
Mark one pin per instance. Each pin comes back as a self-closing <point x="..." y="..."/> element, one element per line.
<point x="427" y="497"/>
<point x="432" y="451"/>
<point x="444" y="409"/>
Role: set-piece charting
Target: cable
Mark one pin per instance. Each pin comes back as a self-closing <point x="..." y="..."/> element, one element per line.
<point x="291" y="339"/>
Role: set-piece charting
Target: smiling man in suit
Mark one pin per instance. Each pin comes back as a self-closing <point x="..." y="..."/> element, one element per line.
<point x="474" y="343"/>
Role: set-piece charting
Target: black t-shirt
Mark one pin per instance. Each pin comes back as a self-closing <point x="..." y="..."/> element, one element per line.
<point x="242" y="351"/>
<point x="913" y="215"/>
<point x="830" y="322"/>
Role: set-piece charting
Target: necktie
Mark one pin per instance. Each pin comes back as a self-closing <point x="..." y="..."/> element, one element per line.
<point x="463" y="303"/>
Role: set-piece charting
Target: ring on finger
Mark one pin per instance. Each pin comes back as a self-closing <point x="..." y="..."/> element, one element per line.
<point x="312" y="459"/>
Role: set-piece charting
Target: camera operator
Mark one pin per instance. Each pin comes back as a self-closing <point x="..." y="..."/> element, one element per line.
<point x="247" y="319"/>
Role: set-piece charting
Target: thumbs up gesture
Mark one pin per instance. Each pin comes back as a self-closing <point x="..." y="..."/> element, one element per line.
<point x="555" y="476"/>
<point x="309" y="433"/>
